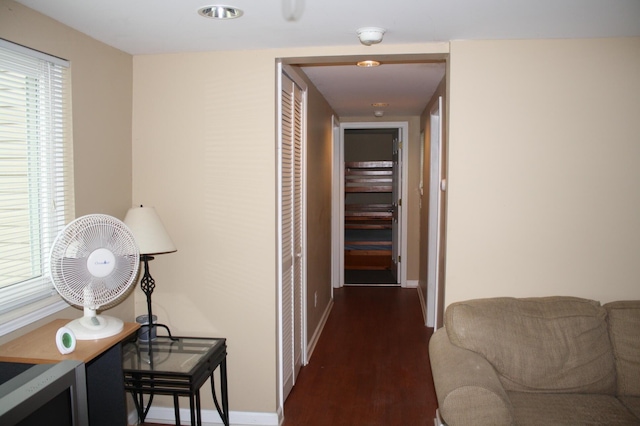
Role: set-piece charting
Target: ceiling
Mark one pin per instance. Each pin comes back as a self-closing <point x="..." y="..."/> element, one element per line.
<point x="352" y="91"/>
<point x="170" y="26"/>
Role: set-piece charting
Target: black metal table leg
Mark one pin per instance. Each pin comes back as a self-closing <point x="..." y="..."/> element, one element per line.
<point x="192" y="408"/>
<point x="198" y="412"/>
<point x="138" y="401"/>
<point x="225" y="394"/>
<point x="176" y="408"/>
<point x="224" y="410"/>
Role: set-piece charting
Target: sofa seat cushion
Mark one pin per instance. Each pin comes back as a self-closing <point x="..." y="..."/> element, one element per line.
<point x="550" y="344"/>
<point x="632" y="403"/>
<point x="624" y="331"/>
<point x="531" y="409"/>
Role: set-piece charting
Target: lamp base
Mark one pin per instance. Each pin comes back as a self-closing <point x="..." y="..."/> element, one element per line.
<point x="146" y="331"/>
<point x="147" y="284"/>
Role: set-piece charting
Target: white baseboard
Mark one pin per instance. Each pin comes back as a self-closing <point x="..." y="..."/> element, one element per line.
<point x="316" y="334"/>
<point x="165" y="415"/>
<point x="423" y="305"/>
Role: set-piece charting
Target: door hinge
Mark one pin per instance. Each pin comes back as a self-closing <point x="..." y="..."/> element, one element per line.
<point x="400" y="145"/>
<point x="399" y="259"/>
<point x="400" y="202"/>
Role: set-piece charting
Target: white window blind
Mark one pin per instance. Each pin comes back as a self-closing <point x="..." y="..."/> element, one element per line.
<point x="36" y="170"/>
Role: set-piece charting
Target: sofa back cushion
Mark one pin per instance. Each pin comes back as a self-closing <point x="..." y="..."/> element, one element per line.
<point x="624" y="331"/>
<point x="551" y="344"/>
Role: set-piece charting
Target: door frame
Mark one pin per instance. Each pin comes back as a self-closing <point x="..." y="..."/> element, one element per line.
<point x="337" y="231"/>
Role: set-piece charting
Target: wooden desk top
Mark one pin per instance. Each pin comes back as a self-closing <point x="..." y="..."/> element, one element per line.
<point x="39" y="346"/>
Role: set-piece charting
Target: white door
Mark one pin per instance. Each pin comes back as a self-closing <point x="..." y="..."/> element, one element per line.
<point x="434" y="233"/>
<point x="337" y="261"/>
<point x="291" y="235"/>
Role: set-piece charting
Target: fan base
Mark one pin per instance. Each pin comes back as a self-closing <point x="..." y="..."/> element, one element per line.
<point x="97" y="327"/>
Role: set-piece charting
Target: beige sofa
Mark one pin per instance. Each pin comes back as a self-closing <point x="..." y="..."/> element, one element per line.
<point x="538" y="361"/>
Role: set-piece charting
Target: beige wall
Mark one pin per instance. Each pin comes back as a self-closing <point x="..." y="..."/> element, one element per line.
<point x="101" y="101"/>
<point x="239" y="170"/>
<point x="204" y="153"/>
<point x="319" y="178"/>
<point x="544" y="170"/>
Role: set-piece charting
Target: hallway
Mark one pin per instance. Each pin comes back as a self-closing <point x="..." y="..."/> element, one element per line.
<point x="370" y="366"/>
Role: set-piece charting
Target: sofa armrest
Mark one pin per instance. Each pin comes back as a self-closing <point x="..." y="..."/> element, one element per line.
<point x="467" y="386"/>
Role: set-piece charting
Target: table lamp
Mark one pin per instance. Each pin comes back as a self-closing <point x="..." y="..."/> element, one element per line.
<point x="152" y="239"/>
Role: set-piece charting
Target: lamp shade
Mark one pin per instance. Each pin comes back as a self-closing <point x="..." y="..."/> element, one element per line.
<point x="148" y="231"/>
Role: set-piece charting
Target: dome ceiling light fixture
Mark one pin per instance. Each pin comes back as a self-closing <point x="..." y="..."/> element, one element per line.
<point x="379" y="112"/>
<point x="368" y="63"/>
<point x="220" y="12"/>
<point x="370" y="35"/>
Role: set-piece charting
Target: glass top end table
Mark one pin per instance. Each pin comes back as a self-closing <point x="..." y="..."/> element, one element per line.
<point x="176" y="366"/>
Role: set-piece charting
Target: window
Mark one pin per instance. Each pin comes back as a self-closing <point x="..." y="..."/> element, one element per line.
<point x="36" y="176"/>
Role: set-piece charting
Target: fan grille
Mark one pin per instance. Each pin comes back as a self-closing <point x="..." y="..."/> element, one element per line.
<point x="73" y="276"/>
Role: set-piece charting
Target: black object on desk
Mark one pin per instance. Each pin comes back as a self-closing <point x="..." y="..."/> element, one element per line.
<point x="176" y="366"/>
<point x="102" y="358"/>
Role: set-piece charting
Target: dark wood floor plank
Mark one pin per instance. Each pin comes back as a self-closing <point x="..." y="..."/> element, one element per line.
<point x="370" y="366"/>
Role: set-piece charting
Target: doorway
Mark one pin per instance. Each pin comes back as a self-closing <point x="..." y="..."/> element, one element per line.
<point x="370" y="231"/>
<point x="324" y="251"/>
<point x="370" y="206"/>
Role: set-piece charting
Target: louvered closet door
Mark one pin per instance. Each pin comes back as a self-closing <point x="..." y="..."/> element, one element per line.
<point x="292" y="243"/>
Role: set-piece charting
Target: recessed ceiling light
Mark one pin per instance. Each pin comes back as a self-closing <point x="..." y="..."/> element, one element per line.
<point x="368" y="64"/>
<point x="380" y="104"/>
<point x="220" y="12"/>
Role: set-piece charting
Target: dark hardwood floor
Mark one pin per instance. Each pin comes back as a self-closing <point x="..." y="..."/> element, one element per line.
<point x="370" y="366"/>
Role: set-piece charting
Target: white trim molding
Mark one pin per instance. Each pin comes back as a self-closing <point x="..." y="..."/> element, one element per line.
<point x="165" y="415"/>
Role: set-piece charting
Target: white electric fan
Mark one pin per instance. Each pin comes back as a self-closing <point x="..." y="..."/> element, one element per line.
<point x="94" y="261"/>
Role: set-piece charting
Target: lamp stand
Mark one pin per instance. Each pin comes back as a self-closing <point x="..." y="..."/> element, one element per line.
<point x="148" y="284"/>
